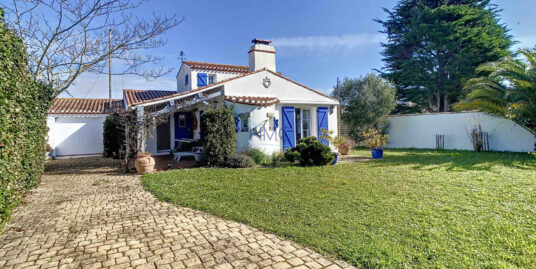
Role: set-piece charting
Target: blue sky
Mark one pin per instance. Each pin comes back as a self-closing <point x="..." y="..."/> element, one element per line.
<point x="316" y="41"/>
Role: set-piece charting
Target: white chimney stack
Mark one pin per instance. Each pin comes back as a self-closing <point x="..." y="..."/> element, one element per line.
<point x="261" y="55"/>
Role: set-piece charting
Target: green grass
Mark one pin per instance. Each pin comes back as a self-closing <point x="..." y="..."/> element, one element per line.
<point x="417" y="209"/>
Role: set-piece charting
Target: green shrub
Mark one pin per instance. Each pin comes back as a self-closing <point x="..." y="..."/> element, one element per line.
<point x="240" y="161"/>
<point x="277" y="159"/>
<point x="113" y="136"/>
<point x="23" y="111"/>
<point x="219" y="139"/>
<point x="258" y="155"/>
<point x="310" y="152"/>
<point x="292" y="155"/>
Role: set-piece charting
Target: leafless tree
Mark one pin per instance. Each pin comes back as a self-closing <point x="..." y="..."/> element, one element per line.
<point x="66" y="38"/>
<point x="135" y="127"/>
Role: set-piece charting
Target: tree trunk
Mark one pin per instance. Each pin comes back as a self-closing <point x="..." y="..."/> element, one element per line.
<point x="445" y="103"/>
<point x="438" y="101"/>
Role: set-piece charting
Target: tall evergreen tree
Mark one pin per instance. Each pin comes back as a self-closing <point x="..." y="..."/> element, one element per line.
<point x="434" y="46"/>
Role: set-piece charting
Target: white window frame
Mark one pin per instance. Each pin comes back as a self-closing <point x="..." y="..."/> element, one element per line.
<point x="183" y="121"/>
<point x="301" y="109"/>
<point x="209" y="77"/>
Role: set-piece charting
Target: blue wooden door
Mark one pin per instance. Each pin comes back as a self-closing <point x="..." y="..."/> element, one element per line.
<point x="322" y="120"/>
<point x="289" y="140"/>
<point x="183" y="125"/>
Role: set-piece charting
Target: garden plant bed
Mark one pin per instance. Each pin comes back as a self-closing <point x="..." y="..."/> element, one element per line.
<point x="415" y="208"/>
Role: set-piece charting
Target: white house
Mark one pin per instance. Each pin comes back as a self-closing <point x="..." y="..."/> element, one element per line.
<point x="272" y="112"/>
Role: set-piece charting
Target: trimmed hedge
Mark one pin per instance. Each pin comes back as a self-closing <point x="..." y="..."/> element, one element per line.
<point x="310" y="152"/>
<point x="23" y="110"/>
<point x="113" y="136"/>
<point x="219" y="139"/>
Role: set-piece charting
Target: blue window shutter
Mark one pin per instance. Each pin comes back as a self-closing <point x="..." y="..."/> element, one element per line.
<point x="237" y="124"/>
<point x="322" y="120"/>
<point x="186" y="80"/>
<point x="201" y="79"/>
<point x="289" y="139"/>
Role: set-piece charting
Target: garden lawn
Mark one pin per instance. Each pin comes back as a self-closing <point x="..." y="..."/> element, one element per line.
<point x="419" y="209"/>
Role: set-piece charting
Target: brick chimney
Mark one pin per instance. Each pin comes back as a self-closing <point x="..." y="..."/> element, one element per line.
<point x="261" y="55"/>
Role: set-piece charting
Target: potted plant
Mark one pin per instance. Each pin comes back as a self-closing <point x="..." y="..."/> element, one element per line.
<point x="338" y="142"/>
<point x="375" y="141"/>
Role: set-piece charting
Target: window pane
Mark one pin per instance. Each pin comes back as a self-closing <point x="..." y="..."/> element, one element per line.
<point x="306" y="123"/>
<point x="211" y="79"/>
<point x="182" y="120"/>
<point x="298" y="125"/>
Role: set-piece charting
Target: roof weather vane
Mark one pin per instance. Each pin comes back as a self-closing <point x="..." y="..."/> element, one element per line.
<point x="182" y="56"/>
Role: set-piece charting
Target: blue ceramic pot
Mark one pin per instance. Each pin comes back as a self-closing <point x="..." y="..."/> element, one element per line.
<point x="377" y="153"/>
<point x="336" y="155"/>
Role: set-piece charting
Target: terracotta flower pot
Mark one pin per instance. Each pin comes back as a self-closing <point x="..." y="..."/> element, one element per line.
<point x="144" y="163"/>
<point x="344" y="148"/>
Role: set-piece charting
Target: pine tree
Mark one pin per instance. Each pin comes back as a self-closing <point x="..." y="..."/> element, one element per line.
<point x="434" y="46"/>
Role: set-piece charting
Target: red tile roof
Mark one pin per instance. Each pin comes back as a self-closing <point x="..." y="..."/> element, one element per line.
<point x="82" y="105"/>
<point x="175" y="94"/>
<point x="200" y="88"/>
<point x="218" y="67"/>
<point x="253" y="100"/>
<point x="134" y="97"/>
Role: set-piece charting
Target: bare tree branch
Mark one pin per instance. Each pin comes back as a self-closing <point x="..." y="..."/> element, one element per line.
<point x="66" y="38"/>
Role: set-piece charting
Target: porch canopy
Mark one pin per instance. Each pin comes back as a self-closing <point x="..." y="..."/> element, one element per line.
<point x="195" y="100"/>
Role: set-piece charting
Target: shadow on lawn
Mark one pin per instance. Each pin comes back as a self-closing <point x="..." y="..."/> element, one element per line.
<point x="457" y="160"/>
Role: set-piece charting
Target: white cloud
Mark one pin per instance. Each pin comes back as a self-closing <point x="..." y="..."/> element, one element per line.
<point x="328" y="42"/>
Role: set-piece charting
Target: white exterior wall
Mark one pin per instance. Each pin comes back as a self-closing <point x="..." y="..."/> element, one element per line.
<point x="151" y="140"/>
<point x="192" y="74"/>
<point x="418" y="131"/>
<point x="270" y="141"/>
<point x="181" y="86"/>
<point x="76" y="135"/>
<point x="287" y="92"/>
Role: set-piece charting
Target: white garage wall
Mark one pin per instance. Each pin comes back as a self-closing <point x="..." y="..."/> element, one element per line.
<point x="76" y="135"/>
<point x="419" y="131"/>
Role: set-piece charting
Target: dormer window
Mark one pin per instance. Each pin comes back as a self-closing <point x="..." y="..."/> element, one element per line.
<point x="203" y="79"/>
<point x="186" y="80"/>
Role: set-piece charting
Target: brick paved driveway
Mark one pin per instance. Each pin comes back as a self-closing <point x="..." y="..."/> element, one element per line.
<point x="86" y="214"/>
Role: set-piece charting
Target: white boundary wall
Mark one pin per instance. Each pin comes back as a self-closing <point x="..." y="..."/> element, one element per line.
<point x="419" y="131"/>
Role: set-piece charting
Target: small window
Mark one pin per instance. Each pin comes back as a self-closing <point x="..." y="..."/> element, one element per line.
<point x="186" y="80"/>
<point x="182" y="120"/>
<point x="244" y="122"/>
<point x="211" y="79"/>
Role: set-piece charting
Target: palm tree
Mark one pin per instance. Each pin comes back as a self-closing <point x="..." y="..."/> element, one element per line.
<point x="508" y="90"/>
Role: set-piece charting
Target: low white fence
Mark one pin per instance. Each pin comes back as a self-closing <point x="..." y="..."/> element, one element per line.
<point x="420" y="130"/>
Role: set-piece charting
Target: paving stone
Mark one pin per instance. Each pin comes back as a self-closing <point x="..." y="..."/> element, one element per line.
<point x="87" y="214"/>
